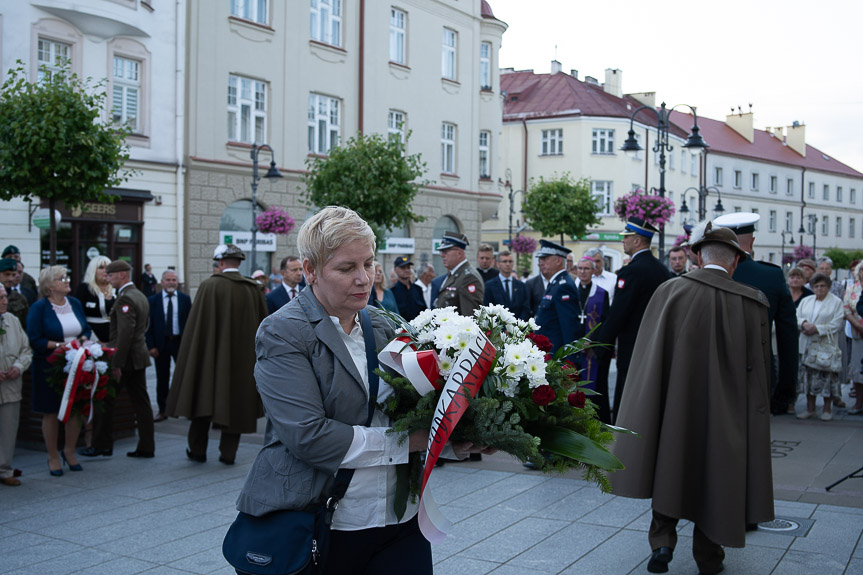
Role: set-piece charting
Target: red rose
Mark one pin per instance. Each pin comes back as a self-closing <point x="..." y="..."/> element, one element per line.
<point x="577" y="399"/>
<point x="540" y="341"/>
<point x="101" y="393"/>
<point x="570" y="370"/>
<point x="543" y="395"/>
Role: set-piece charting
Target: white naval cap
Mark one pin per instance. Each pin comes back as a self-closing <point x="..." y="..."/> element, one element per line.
<point x="740" y="222"/>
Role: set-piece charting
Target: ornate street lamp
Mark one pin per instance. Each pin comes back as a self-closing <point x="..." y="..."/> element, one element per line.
<point x="790" y="243"/>
<point x="273" y="172"/>
<point x="511" y="194"/>
<point x="631" y="146"/>
<point x="718" y="209"/>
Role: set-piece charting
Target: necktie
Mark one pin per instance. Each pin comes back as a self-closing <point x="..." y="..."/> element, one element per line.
<point x="506" y="288"/>
<point x="170" y="317"/>
<point x="293" y="293"/>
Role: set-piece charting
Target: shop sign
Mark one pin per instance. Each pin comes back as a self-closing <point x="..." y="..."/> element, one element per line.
<point x="243" y="240"/>
<point x="600" y="237"/>
<point x="42" y="218"/>
<point x="397" y="246"/>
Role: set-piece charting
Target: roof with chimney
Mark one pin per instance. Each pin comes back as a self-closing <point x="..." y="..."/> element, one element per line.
<point x="766" y="147"/>
<point x="539" y="96"/>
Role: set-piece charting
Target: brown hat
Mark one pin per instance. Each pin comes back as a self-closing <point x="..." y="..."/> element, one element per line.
<point x="118" y="266"/>
<point x="808" y="263"/>
<point x="228" y="252"/>
<point x="717" y="235"/>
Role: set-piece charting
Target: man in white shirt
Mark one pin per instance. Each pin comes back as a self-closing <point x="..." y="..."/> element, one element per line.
<point x="425" y="283"/>
<point x="604" y="279"/>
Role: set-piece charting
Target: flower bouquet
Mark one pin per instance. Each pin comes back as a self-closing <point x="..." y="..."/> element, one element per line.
<point x="275" y="220"/>
<point x="80" y="374"/>
<point x="490" y="380"/>
<point x="647" y="206"/>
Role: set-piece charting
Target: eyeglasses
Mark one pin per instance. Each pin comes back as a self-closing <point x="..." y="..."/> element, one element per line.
<point x="63" y="279"/>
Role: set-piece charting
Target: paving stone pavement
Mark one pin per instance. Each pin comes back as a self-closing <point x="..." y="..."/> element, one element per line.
<point x="169" y="515"/>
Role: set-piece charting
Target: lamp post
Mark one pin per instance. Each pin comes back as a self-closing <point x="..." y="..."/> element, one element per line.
<point x="813" y="221"/>
<point x="273" y="172"/>
<point x="511" y="194"/>
<point x="693" y="142"/>
<point x="790" y="243"/>
<point x="703" y="191"/>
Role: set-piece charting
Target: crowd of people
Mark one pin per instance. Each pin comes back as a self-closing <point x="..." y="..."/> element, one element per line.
<point x="713" y="331"/>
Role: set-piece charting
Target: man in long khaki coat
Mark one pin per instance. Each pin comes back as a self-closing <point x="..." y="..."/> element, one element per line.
<point x="214" y="379"/>
<point x="698" y="396"/>
<point x="129" y="319"/>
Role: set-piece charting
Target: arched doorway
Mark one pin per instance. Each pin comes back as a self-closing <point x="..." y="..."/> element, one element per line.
<point x="235" y="227"/>
<point x="444" y="224"/>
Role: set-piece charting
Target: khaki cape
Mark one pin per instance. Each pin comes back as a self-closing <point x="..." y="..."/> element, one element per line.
<point x="697" y="394"/>
<point x="214" y="376"/>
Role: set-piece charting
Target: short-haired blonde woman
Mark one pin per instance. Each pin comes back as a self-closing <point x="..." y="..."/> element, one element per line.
<point x="55" y="319"/>
<point x="312" y="375"/>
<point x="820" y="318"/>
<point x="98" y="297"/>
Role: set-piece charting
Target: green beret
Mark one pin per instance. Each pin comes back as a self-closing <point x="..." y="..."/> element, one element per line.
<point x="7" y="264"/>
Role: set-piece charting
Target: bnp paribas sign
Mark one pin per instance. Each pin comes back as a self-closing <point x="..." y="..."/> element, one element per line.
<point x="243" y="240"/>
<point x="397" y="246"/>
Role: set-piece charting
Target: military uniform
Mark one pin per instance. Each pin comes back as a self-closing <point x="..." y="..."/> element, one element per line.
<point x="463" y="289"/>
<point x="558" y="311"/>
<point x="17" y="305"/>
<point x="129" y="319"/>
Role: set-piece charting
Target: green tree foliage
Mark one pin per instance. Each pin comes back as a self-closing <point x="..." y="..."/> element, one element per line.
<point x="54" y="144"/>
<point x="561" y="206"/>
<point x="843" y="258"/>
<point x="373" y="176"/>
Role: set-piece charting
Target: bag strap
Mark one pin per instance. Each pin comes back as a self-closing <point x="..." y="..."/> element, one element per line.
<point x="343" y="477"/>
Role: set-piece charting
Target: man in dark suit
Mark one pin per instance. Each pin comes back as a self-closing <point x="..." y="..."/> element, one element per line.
<point x="677" y="261"/>
<point x="507" y="290"/>
<point x="485" y="262"/>
<point x="148" y="281"/>
<point x="409" y="296"/>
<point x="636" y="283"/>
<point x="436" y="285"/>
<point x="558" y="310"/>
<point x="29" y="294"/>
<point x="292" y="273"/>
<point x="781" y="315"/>
<point x="129" y="317"/>
<point x="26" y="281"/>
<point x="535" y="290"/>
<point x="168" y="313"/>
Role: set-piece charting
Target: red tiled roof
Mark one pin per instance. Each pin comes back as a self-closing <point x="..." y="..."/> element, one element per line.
<point x="534" y="96"/>
<point x="722" y="139"/>
<point x="485" y="10"/>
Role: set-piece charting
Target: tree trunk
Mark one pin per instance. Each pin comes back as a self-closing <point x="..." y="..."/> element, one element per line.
<point x="52" y="242"/>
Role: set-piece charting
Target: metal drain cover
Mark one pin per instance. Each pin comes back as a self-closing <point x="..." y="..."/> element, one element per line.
<point x="779" y="525"/>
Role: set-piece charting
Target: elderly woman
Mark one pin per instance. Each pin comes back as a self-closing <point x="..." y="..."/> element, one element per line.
<point x="54" y="320"/>
<point x="796" y="285"/>
<point x="97" y="296"/>
<point x="854" y="330"/>
<point x="15" y="358"/>
<point x="820" y="318"/>
<point x="313" y="378"/>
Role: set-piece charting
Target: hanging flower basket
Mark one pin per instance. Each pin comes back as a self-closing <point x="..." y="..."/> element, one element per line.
<point x="645" y="205"/>
<point x="523" y="245"/>
<point x="275" y="220"/>
<point x="802" y="252"/>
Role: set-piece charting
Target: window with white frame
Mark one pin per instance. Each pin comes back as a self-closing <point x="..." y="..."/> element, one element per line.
<point x="717" y="176"/>
<point x="755" y="181"/>
<point x="771" y="257"/>
<point x="693" y="164"/>
<point x="247" y="110"/>
<point x="324" y="123"/>
<point x="754" y="211"/>
<point x="447" y="148"/>
<point x="826" y="194"/>
<point x="774" y="182"/>
<point x="126" y="92"/>
<point x="398" y="33"/>
<point x="485" y="154"/>
<point x="771" y="223"/>
<point x="838" y="227"/>
<point x="54" y="56"/>
<point x="789" y="187"/>
<point x="396" y="125"/>
<point x="603" y="141"/>
<point x="738" y="179"/>
<point x="325" y="20"/>
<point x="485" y="66"/>
<point x="656" y="158"/>
<point x="839" y="194"/>
<point x="254" y="10"/>
<point x="825" y="225"/>
<point x="683" y="154"/>
<point x="670" y="161"/>
<point x="811" y="222"/>
<point x="448" y="51"/>
<point x="789" y="221"/>
<point x="552" y="142"/>
<point x="852" y="225"/>
<point x="852" y="196"/>
<point x="602" y="194"/>
<point x="811" y="189"/>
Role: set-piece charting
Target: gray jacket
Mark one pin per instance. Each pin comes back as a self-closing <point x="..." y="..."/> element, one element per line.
<point x="312" y="396"/>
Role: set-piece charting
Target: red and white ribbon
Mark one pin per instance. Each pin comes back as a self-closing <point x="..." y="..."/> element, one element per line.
<point x="420" y="367"/>
<point x="68" y="399"/>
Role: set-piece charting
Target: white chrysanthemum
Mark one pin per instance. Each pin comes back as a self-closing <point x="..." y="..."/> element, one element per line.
<point x="535" y="371"/>
<point x="446" y="337"/>
<point x="424" y="319"/>
<point x="101" y="367"/>
<point x="446" y="315"/>
<point x="513" y="370"/>
<point x="425" y="336"/>
<point x="531" y="323"/>
<point x="95" y="349"/>
<point x="517" y="352"/>
<point x="444" y="365"/>
<point x="507" y="386"/>
<point x="87" y="366"/>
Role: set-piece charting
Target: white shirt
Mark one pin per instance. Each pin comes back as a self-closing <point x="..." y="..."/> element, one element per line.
<point x="545" y="282"/>
<point x="606" y="280"/>
<point x="288" y="289"/>
<point x="455" y="269"/>
<point x="175" y="312"/>
<point x="426" y="289"/>
<point x="714" y="267"/>
<point x="373" y="455"/>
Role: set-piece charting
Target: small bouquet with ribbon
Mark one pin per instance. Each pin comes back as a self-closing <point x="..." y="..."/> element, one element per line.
<point x="489" y="380"/>
<point x="81" y="375"/>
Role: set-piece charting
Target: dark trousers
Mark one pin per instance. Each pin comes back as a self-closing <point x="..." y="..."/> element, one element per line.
<point x="163" y="370"/>
<point x="391" y="550"/>
<point x="663" y="533"/>
<point x="135" y="381"/>
<point x="199" y="436"/>
<point x="623" y="359"/>
<point x="603" y="406"/>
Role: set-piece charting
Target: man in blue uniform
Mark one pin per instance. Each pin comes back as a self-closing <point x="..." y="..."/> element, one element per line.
<point x="558" y="311"/>
<point x="635" y="285"/>
<point x="771" y="281"/>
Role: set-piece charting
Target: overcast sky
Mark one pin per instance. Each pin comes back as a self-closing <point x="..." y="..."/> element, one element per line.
<point x="792" y="60"/>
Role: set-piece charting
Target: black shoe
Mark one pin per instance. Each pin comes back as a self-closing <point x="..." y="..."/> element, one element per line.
<point x="226" y="461"/>
<point x="475" y="457"/>
<point x="198" y="458"/>
<point x="720" y="570"/>
<point x="93" y="452"/>
<point x="751" y="527"/>
<point x="141" y="454"/>
<point x="660" y="559"/>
